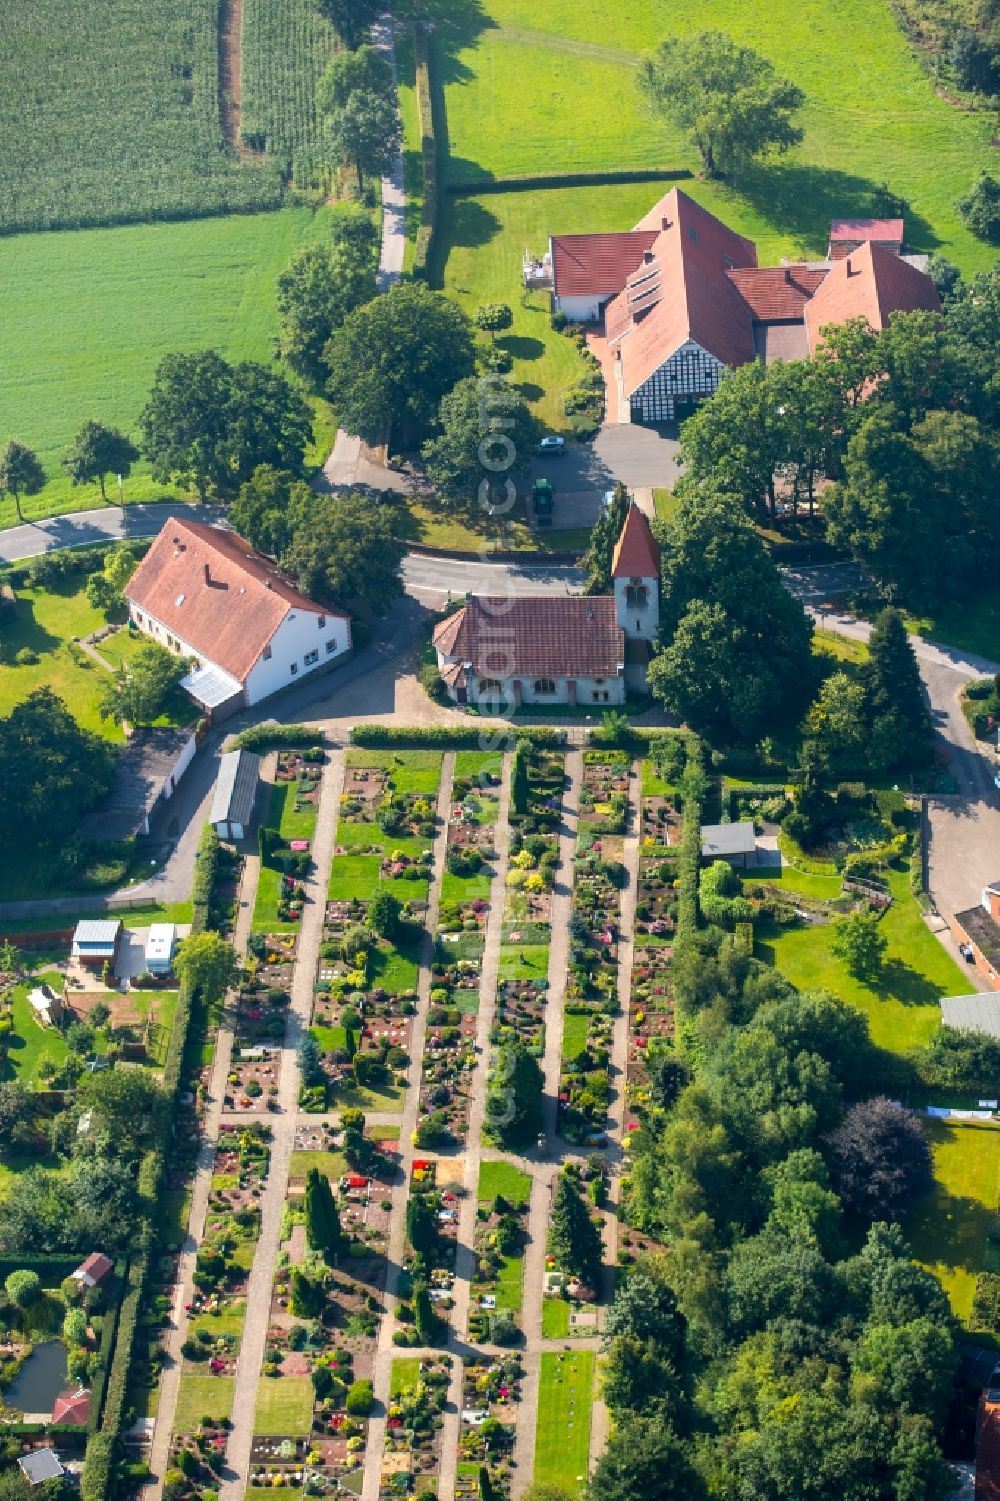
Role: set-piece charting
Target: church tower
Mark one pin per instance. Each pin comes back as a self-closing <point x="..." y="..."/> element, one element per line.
<point x="635" y="572"/>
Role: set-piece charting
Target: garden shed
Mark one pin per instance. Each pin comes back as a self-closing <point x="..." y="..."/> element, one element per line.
<point x="159" y="951"/>
<point x="96" y="942"/>
<point x="735" y="842"/>
<point x="235" y="794"/>
<point x="40" y="1465"/>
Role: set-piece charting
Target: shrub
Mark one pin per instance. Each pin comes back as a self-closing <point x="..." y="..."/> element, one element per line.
<point x="272" y="736"/>
<point x="23" y="1287"/>
<point x="360" y="1398"/>
<point x="979" y="209"/>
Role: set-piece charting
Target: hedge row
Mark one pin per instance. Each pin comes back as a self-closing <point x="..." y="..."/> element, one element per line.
<point x="424" y="244"/>
<point x="274" y="736"/>
<point x="452" y="737"/>
<point x="95" y="1484"/>
<point x="693" y="787"/>
<point x="472" y="187"/>
<point x="206" y="874"/>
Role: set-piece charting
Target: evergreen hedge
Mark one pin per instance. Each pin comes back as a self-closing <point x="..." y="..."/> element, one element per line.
<point x="424" y="245"/>
<point x="450" y="737"/>
<point x="273" y="736"/>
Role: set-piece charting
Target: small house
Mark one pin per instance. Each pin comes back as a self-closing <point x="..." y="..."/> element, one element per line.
<point x="159" y="951"/>
<point x="735" y="842"/>
<point x="235" y="794"/>
<point x="40" y="1465"/>
<point x="72" y="1407"/>
<point x="95" y="1270"/>
<point x="96" y="942"/>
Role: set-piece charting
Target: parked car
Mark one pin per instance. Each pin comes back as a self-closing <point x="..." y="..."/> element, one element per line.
<point x="552" y="446"/>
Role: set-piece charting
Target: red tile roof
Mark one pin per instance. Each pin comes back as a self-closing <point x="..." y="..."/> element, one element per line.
<point x="890" y="230"/>
<point x="777" y="294"/>
<point x="636" y="553"/>
<point x="578" y="636"/>
<point x="596" y="265"/>
<point x="214" y="592"/>
<point x="695" y="251"/>
<point x="71" y="1407"/>
<point x="96" y="1265"/>
<point x="870" y="283"/>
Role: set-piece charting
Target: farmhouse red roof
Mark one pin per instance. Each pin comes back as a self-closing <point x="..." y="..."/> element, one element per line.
<point x="636" y="554"/>
<point x="597" y="265"/>
<point x="776" y="294"/>
<point x="213" y="591"/>
<point x="97" y="1265"/>
<point x="71" y="1407"/>
<point x="870" y="283"/>
<point x="535" y="637"/>
<point x="867" y="229"/>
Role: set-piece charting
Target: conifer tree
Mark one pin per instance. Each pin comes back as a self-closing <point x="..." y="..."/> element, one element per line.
<point x="323" y="1228"/>
<point x="899" y="724"/>
<point x="574" y="1239"/>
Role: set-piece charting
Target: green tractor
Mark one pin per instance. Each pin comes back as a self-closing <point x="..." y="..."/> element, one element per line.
<point x="542" y="501"/>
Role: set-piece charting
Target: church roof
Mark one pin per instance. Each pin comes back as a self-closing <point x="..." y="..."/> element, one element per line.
<point x="637" y="554"/>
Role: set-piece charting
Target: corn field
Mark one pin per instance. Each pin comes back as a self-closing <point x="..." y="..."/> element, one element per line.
<point x="109" y="113"/>
<point x="286" y="45"/>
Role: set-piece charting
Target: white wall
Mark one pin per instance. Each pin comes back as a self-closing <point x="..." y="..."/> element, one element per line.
<point x="297" y="635"/>
<point x="583" y="309"/>
<point x="614" y="687"/>
<point x="183" y="762"/>
<point x="638" y="621"/>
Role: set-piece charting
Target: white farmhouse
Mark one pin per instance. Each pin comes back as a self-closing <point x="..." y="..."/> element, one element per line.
<point x="207" y="594"/>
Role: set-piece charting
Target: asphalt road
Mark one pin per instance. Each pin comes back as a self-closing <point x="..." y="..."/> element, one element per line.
<point x="964" y="842"/>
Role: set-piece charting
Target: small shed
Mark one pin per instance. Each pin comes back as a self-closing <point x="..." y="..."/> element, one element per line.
<point x="72" y="1407"/>
<point x="979" y="1012"/>
<point x="160" y="944"/>
<point x="40" y="1465"/>
<point x="735" y="842"/>
<point x="96" y="941"/>
<point x="95" y="1270"/>
<point x="235" y="794"/>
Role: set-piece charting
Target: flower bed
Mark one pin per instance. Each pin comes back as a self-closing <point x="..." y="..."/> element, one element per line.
<point x="604" y="791"/>
<point x="414" y="1422"/>
<point x="491" y="1390"/>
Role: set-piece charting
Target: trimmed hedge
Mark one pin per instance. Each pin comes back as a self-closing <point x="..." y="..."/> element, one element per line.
<point x="424" y="244"/>
<point x="95" y="1483"/>
<point x="274" y="736"/>
<point x="472" y="187"/>
<point x="689" y="865"/>
<point x="206" y="873"/>
<point x="451" y="737"/>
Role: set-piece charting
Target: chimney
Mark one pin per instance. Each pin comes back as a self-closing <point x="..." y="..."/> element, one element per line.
<point x="647" y="257"/>
<point x="267" y="583"/>
<point x="664" y="222"/>
<point x="788" y="275"/>
<point x="847" y="263"/>
<point x="208" y="576"/>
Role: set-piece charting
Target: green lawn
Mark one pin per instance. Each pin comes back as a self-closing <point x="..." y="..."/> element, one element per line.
<point x="575" y="1031"/>
<point x="417" y="771"/>
<point x="173" y="1205"/>
<point x="665" y="504"/>
<point x="413" y="172"/>
<point x="354" y="877"/>
<point x="971" y="624"/>
<point x="474" y="763"/>
<point x="376" y="1097"/>
<point x="31" y="1043"/>
<point x="15" y="1165"/>
<point x="947" y="1231"/>
<point x="562" y="1438"/>
<point x="534" y="89"/>
<point x="202" y="1396"/>
<point x="226" y="1321"/>
<point x="507" y="1288"/>
<point x="359" y="836"/>
<point x="395" y="970"/>
<point x="94" y="311"/>
<point x="405" y="1374"/>
<point x="555" y="1318"/>
<point x="333" y="1164"/>
<point x="47" y="620"/>
<point x="653" y="785"/>
<point x="283" y="816"/>
<point x="284" y="1405"/>
<point x="465" y="888"/>
<point x="841" y="648"/>
<point x="902" y="1008"/>
<point x="265" y="907"/>
<point x="503" y="1178"/>
<point x="524" y="961"/>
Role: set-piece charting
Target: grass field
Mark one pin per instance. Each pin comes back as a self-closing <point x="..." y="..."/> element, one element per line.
<point x="202" y="1396"/>
<point x="88" y="316"/>
<point x="524" y="961"/>
<point x="284" y="1405"/>
<point x="555" y="1318"/>
<point x="354" y="877"/>
<point x="31" y="1043"/>
<point x="531" y="90"/>
<point x="947" y="1231"/>
<point x="405" y="1374"/>
<point x="971" y="624"/>
<point x="46" y="622"/>
<point x="562" y="1438"/>
<point x="902" y="1008"/>
<point x="574" y="1039"/>
<point x="333" y="1164"/>
<point x="416" y="771"/>
<point x="503" y="1178"/>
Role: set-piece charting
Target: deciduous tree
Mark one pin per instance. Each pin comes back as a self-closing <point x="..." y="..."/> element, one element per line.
<point x="644" y="1460"/>
<point x="138" y="690"/>
<point x="727" y="99"/>
<point x="350" y="19"/>
<point x="879" y="1158"/>
<point x="861" y="943"/>
<point x="320" y="286"/>
<point x="20" y="472"/>
<point x="51" y="771"/>
<point x="207" y="963"/>
<point x="487" y="433"/>
<point x="346" y="553"/>
<point x="365" y="133"/>
<point x="97" y="451"/>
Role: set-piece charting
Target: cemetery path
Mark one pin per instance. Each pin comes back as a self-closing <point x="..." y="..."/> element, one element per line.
<point x="258" y="1311"/>
<point x="465" y="1258"/>
<point x="183" y="1292"/>
<point x="382" y="1372"/>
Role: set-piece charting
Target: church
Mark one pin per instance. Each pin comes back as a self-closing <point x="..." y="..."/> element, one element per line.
<point x="581" y="650"/>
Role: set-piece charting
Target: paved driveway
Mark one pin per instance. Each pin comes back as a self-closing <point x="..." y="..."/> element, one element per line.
<point x="642" y="457"/>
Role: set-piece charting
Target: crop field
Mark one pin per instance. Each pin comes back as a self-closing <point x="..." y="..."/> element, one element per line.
<point x="285" y="48"/>
<point x="87" y="317"/>
<point x="109" y="113"/>
<point x="530" y="90"/>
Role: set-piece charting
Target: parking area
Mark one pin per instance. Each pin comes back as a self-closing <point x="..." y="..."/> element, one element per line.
<point x="639" y="457"/>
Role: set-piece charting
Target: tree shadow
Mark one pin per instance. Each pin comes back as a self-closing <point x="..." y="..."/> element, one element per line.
<point x="465" y="224"/>
<point x="522" y="346"/>
<point x="801" y="198"/>
<point x="899" y="981"/>
<point x="22" y="631"/>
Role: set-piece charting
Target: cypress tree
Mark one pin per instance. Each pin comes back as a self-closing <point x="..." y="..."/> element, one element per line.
<point x="323" y="1229"/>
<point x="420" y="1230"/>
<point x="899" y="724"/>
<point x="519" y="788"/>
<point x="574" y="1239"/>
